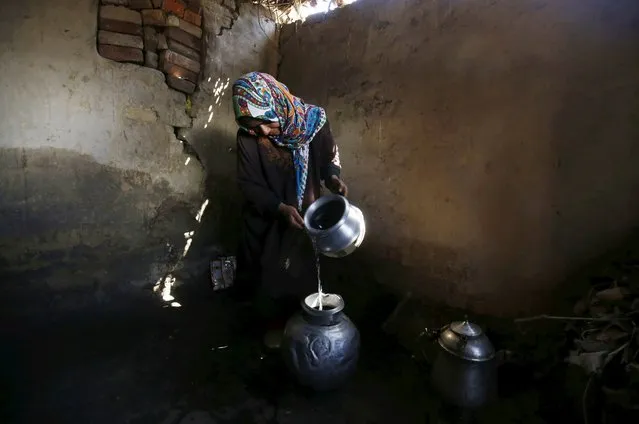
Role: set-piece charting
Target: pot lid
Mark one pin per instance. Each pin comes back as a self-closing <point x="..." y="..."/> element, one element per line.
<point x="467" y="341"/>
<point x="466" y="328"/>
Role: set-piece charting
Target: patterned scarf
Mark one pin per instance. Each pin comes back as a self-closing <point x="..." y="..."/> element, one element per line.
<point x="260" y="96"/>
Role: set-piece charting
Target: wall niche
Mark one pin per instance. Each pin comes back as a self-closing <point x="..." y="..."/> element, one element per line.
<point x="160" y="34"/>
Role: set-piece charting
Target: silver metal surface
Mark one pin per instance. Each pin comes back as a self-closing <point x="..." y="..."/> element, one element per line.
<point x="321" y="348"/>
<point x="346" y="232"/>
<point x="467" y="341"/>
<point x="223" y="272"/>
<point x="466" y="328"/>
<point x="332" y="304"/>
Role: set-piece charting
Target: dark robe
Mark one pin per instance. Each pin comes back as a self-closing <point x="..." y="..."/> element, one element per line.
<point x="274" y="258"/>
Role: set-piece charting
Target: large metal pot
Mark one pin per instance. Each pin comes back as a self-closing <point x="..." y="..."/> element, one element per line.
<point x="336" y="227"/>
<point x="464" y="383"/>
<point x="321" y="347"/>
<point x="465" y="369"/>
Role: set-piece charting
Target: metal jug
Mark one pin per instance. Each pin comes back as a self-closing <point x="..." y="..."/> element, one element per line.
<point x="336" y="226"/>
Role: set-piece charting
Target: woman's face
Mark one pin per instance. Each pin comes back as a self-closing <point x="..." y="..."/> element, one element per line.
<point x="260" y="128"/>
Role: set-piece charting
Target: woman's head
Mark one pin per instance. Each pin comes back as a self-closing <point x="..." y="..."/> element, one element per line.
<point x="265" y="106"/>
<point x="259" y="127"/>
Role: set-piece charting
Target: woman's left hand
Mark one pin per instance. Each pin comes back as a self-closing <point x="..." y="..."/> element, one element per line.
<point x="337" y="186"/>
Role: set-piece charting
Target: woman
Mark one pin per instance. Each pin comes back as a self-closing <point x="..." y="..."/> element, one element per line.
<point x="285" y="149"/>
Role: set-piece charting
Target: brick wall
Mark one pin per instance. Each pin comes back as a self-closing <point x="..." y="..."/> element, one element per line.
<point x="159" y="34"/>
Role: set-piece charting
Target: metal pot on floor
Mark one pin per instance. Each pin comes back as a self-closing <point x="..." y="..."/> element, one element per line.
<point x="465" y="368"/>
<point x="321" y="346"/>
<point x="336" y="226"/>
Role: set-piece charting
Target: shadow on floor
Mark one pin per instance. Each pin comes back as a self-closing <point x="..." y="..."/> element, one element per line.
<point x="201" y="363"/>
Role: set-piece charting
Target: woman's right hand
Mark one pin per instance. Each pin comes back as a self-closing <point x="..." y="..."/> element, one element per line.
<point x="291" y="215"/>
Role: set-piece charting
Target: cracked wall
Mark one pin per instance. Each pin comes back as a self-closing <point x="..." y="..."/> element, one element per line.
<point x="240" y="38"/>
<point x="96" y="191"/>
<point x="493" y="145"/>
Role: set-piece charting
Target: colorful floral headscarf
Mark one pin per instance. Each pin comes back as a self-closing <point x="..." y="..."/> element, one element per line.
<point x="260" y="96"/>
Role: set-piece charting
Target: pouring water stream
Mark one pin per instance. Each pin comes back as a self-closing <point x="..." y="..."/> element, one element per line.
<point x="318" y="304"/>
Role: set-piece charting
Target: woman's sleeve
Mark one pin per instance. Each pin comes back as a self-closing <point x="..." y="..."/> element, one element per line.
<point x="330" y="155"/>
<point x="251" y="179"/>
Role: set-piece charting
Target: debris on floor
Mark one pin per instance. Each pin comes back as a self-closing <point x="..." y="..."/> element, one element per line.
<point x="606" y="338"/>
<point x="603" y="340"/>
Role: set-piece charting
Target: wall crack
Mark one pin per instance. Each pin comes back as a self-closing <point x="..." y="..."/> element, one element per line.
<point x="235" y="14"/>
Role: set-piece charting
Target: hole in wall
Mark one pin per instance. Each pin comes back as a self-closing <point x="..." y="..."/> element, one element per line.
<point x="286" y="11"/>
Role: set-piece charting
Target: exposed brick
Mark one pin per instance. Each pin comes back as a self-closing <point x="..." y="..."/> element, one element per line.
<point x="157" y="4"/>
<point x="154" y="17"/>
<point x="183" y="61"/>
<point x="180" y="84"/>
<point x="140" y="4"/>
<point x="191" y="29"/>
<point x="116" y="2"/>
<point x="183" y="37"/>
<point x="162" y="44"/>
<point x="174" y="6"/>
<point x="177" y="71"/>
<point x="174" y="21"/>
<point x="121" y="54"/>
<point x="117" y="39"/>
<point x="151" y="60"/>
<point x="194" y="6"/>
<point x="183" y="50"/>
<point x="150" y="39"/>
<point x="193" y="18"/>
<point x="121" y="14"/>
<point x="121" y="27"/>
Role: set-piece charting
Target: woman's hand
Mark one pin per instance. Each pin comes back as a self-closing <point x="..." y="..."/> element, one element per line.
<point x="291" y="215"/>
<point x="337" y="186"/>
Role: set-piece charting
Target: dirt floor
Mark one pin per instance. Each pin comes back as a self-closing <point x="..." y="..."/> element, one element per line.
<point x="201" y="363"/>
<point x="133" y="360"/>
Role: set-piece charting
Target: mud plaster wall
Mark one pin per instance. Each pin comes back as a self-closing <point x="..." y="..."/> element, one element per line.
<point x="241" y="38"/>
<point x="94" y="192"/>
<point x="493" y="145"/>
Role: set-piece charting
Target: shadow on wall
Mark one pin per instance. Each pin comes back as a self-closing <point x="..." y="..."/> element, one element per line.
<point x="125" y="232"/>
<point x="79" y="233"/>
<point x="217" y="232"/>
<point x="219" y="161"/>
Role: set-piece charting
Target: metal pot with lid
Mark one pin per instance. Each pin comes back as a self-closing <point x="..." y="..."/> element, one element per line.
<point x="464" y="370"/>
<point x="466" y="341"/>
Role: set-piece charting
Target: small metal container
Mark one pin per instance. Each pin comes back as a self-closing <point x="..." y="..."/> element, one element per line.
<point x="336" y="227"/>
<point x="223" y="272"/>
<point x="466" y="341"/>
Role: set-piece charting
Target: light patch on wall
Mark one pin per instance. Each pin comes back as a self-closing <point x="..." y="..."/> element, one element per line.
<point x="187" y="246"/>
<point x="198" y="217"/>
<point x="186" y="162"/>
<point x="189" y="239"/>
<point x="165" y="285"/>
<point x="219" y="90"/>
